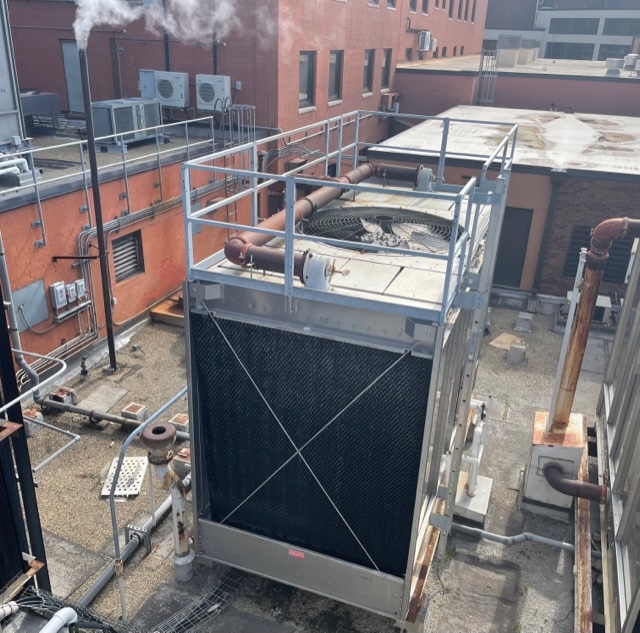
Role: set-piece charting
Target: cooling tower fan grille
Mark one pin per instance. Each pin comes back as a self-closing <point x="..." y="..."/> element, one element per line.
<point x="389" y="227"/>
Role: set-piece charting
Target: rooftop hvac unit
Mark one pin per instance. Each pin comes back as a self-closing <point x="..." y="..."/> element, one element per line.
<point x="171" y="89"/>
<point x="126" y="120"/>
<point x="213" y="92"/>
<point x="424" y="41"/>
<point x="434" y="44"/>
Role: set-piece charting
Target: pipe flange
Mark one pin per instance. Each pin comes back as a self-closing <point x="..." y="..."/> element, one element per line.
<point x="159" y="459"/>
<point x="159" y="439"/>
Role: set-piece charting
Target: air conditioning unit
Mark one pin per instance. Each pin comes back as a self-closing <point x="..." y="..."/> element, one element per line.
<point x="171" y="89"/>
<point x="434" y="44"/>
<point x="125" y="120"/>
<point x="213" y="92"/>
<point x="424" y="41"/>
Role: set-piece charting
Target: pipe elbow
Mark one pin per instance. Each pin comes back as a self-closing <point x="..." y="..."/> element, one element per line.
<point x="607" y="231"/>
<point x="556" y="478"/>
<point x="235" y="250"/>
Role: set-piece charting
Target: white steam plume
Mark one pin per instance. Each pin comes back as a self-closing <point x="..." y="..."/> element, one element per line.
<point x="186" y="20"/>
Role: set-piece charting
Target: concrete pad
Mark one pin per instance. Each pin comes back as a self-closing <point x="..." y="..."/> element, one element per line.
<point x="103" y="398"/>
<point x="484" y="593"/>
<point x="524" y="322"/>
<point x="70" y="565"/>
<point x="504" y="341"/>
<point x="473" y="508"/>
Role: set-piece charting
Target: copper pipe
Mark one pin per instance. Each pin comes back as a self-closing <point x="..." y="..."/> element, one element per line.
<point x="601" y="240"/>
<point x="554" y="474"/>
<point x="243" y="249"/>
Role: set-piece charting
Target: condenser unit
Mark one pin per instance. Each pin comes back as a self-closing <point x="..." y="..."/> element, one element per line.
<point x="213" y="92"/>
<point x="125" y="120"/>
<point x="171" y="89"/>
<point x="424" y="41"/>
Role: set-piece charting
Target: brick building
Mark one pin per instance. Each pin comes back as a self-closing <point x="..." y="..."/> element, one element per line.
<point x="570" y="172"/>
<point x="345" y="52"/>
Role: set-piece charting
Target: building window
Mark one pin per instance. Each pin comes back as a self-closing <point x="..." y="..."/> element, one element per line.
<point x="612" y="50"/>
<point x="374" y="3"/>
<point x="413" y="5"/>
<point x="127" y="256"/>
<point x="391" y="4"/>
<point x="451" y="3"/>
<point x="306" y="95"/>
<point x="444" y="4"/>
<point x="460" y="9"/>
<point x="466" y="11"/>
<point x="425" y="6"/>
<point x="461" y="50"/>
<point x="622" y="26"/>
<point x="444" y="51"/>
<point x="455" y="51"/>
<point x="367" y="79"/>
<point x="473" y="11"/>
<point x="615" y="271"/>
<point x="574" y="26"/>
<point x="435" y="53"/>
<point x="569" y="50"/>
<point x="335" y="75"/>
<point x="408" y="54"/>
<point x="386" y="68"/>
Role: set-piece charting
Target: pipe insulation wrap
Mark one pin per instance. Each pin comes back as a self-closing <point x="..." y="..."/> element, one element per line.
<point x="60" y="619"/>
<point x="8" y="609"/>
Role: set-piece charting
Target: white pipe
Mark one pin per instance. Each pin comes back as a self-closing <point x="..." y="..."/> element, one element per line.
<point x="8" y="609"/>
<point x="9" y="170"/>
<point x="477" y="450"/>
<point x="20" y="163"/>
<point x="567" y="336"/>
<point x="60" y="619"/>
<point x="178" y="496"/>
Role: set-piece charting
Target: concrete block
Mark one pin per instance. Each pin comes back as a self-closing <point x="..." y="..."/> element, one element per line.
<point x="65" y="395"/>
<point x="182" y="462"/>
<point x="30" y="427"/>
<point x="135" y="411"/>
<point x="524" y="322"/>
<point x="517" y="354"/>
<point x="473" y="508"/>
<point x="180" y="421"/>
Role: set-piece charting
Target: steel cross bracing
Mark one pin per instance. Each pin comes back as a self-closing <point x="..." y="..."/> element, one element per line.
<point x="299" y="449"/>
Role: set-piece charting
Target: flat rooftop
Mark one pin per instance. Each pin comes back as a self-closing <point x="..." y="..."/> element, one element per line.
<point x="541" y="66"/>
<point x="546" y="140"/>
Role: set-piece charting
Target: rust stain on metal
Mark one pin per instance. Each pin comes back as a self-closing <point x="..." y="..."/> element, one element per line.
<point x="570" y="435"/>
<point x="583" y="622"/>
<point x="7" y="429"/>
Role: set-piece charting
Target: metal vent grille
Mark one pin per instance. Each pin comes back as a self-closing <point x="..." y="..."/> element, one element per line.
<point x="207" y="92"/>
<point x="127" y="255"/>
<point x="354" y="497"/>
<point x="401" y="228"/>
<point x="165" y="88"/>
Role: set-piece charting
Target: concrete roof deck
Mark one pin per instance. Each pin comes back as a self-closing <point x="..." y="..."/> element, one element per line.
<point x="546" y="140"/>
<point x="541" y="66"/>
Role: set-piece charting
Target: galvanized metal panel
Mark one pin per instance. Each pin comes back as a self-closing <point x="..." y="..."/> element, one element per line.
<point x="31" y="304"/>
<point x="302" y="568"/>
<point x="130" y="479"/>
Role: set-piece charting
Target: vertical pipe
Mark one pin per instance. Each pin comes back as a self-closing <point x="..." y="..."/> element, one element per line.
<point x="443" y="151"/>
<point x="97" y="203"/>
<point x="567" y="335"/>
<point x="21" y="452"/>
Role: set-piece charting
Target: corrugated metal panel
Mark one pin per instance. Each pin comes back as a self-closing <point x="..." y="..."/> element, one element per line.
<point x="127" y="256"/>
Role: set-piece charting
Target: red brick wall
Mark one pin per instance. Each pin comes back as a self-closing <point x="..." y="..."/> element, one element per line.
<point x="511" y="14"/>
<point x="583" y="202"/>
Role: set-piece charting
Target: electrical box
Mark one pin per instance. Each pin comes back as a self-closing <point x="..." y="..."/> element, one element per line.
<point x="58" y="295"/>
<point x="81" y="288"/>
<point x="213" y="92"/>
<point x="424" y="41"/>
<point x="71" y="292"/>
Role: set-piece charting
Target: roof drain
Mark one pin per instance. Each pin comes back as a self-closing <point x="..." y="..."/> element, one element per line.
<point x="248" y="248"/>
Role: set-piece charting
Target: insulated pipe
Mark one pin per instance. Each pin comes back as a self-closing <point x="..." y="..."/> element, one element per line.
<point x="14" y="331"/>
<point x="150" y="524"/>
<point x="554" y="474"/>
<point x="60" y="620"/>
<point x="601" y="241"/>
<point x="242" y="249"/>
<point x="20" y="163"/>
<point x="518" y="538"/>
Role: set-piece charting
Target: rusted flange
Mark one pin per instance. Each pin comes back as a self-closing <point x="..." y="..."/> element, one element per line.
<point x="159" y="439"/>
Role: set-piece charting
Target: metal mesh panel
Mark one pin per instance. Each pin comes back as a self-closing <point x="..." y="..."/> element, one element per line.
<point x="367" y="460"/>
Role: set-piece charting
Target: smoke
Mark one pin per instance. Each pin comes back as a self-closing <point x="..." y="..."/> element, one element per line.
<point x="186" y="20"/>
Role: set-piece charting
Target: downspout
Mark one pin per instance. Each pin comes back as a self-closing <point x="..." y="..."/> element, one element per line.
<point x="248" y="248"/>
<point x="14" y="331"/>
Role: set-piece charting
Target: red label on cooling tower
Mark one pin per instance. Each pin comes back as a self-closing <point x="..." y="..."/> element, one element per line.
<point x="296" y="554"/>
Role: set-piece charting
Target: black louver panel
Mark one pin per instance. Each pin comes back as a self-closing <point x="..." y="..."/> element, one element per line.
<point x="367" y="461"/>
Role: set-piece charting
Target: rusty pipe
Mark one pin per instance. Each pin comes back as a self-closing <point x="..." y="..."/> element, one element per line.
<point x="244" y="249"/>
<point x="556" y="478"/>
<point x="601" y="240"/>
